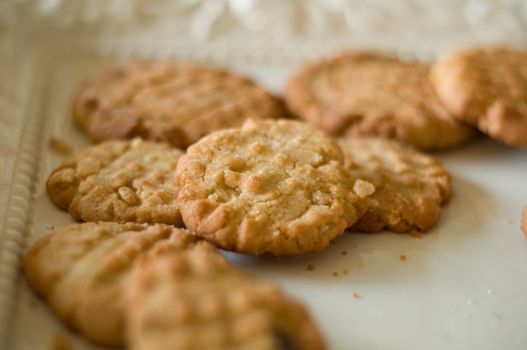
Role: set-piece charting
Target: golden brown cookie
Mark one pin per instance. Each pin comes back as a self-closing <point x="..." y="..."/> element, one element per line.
<point x="524" y="221"/>
<point x="486" y="88"/>
<point x="410" y="187"/>
<point x="276" y="187"/>
<point x="197" y="300"/>
<point x="361" y="94"/>
<point x="173" y="102"/>
<point x="80" y="270"/>
<point x="121" y="181"/>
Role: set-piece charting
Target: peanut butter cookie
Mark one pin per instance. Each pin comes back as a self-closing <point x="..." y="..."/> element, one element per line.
<point x="276" y="187"/>
<point x="486" y="88"/>
<point x="172" y="102"/>
<point x="121" y="181"/>
<point x="80" y="271"/>
<point x="197" y="300"/>
<point x="360" y="94"/>
<point x="410" y="187"/>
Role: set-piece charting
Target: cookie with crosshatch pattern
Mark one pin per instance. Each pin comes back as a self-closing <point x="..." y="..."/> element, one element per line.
<point x="175" y="102"/>
<point x="119" y="180"/>
<point x="81" y="270"/>
<point x="371" y="94"/>
<point x="197" y="300"/>
<point x="487" y="88"/>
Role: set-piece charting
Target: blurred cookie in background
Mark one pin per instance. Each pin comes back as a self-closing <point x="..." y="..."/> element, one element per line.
<point x="370" y="94"/>
<point x="195" y="299"/>
<point x="80" y="271"/>
<point x="486" y="88"/>
<point x="174" y="102"/>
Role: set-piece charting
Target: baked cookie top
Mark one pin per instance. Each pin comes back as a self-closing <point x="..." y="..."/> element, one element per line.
<point x="173" y="102"/>
<point x="376" y="95"/>
<point x="410" y="187"/>
<point x="119" y="180"/>
<point x="80" y="270"/>
<point x="197" y="300"/>
<point x="486" y="88"/>
<point x="276" y="187"/>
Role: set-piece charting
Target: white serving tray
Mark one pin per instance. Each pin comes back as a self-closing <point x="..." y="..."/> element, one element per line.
<point x="462" y="286"/>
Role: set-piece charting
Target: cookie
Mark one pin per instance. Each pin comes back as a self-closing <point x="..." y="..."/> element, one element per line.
<point x="80" y="270"/>
<point x="172" y="102"/>
<point x="410" y="187"/>
<point x="486" y="88"/>
<point x="197" y="300"/>
<point x="367" y="94"/>
<point x="524" y="221"/>
<point x="276" y="187"/>
<point x="119" y="180"/>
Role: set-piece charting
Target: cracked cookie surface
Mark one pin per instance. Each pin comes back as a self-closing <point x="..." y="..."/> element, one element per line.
<point x="196" y="300"/>
<point x="119" y="180"/>
<point x="368" y="94"/>
<point x="80" y="271"/>
<point x="486" y="88"/>
<point x="410" y="187"/>
<point x="276" y="187"/>
<point x="172" y="102"/>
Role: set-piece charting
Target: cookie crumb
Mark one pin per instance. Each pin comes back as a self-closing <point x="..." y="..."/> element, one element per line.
<point x="344" y="252"/>
<point x="345" y="271"/>
<point x="356" y="295"/>
<point x="497" y="315"/>
<point x="335" y="274"/>
<point x="402" y="257"/>
<point x="61" y="342"/>
<point x="310" y="267"/>
<point x="59" y="146"/>
<point x="363" y="188"/>
<point x="416" y="234"/>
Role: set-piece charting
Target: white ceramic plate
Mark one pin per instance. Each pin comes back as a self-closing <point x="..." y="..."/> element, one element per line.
<point x="462" y="286"/>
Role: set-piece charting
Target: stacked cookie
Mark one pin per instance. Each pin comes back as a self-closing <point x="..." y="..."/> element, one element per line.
<point x="130" y="276"/>
<point x="159" y="287"/>
<point x="250" y="181"/>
